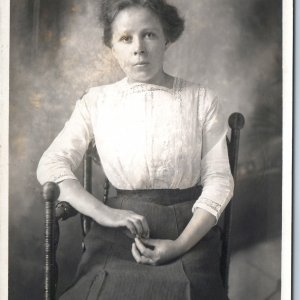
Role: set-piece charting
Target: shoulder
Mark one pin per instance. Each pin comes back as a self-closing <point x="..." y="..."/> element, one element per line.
<point x="204" y="99"/>
<point x="204" y="95"/>
<point x="93" y="95"/>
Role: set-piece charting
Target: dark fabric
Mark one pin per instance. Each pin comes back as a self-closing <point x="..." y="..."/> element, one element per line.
<point x="107" y="270"/>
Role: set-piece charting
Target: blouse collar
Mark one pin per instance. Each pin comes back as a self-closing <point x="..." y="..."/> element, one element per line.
<point x="143" y="87"/>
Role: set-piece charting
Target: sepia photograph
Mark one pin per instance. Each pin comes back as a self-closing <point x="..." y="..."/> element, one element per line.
<point x="145" y="150"/>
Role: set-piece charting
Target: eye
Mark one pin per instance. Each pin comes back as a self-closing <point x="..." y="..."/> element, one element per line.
<point x="150" y="35"/>
<point x="125" y="39"/>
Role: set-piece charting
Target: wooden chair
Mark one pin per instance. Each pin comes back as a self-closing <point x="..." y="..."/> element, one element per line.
<point x="56" y="211"/>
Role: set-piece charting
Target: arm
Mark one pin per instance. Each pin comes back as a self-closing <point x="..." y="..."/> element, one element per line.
<point x="216" y="177"/>
<point x="217" y="184"/>
<point x="63" y="157"/>
<point x="73" y="193"/>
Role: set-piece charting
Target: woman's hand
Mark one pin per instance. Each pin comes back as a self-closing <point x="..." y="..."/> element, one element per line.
<point x="84" y="202"/>
<point x="135" y="223"/>
<point x="72" y="192"/>
<point x="155" y="252"/>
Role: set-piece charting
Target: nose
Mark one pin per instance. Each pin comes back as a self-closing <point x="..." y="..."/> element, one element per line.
<point x="138" y="52"/>
<point x="139" y="47"/>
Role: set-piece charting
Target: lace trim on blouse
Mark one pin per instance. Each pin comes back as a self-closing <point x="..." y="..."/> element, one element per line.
<point x="136" y="88"/>
<point x="213" y="205"/>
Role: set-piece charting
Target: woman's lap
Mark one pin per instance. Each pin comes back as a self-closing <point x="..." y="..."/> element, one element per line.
<point x="108" y="271"/>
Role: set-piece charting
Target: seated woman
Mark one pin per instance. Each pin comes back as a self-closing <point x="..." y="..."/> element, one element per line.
<point x="162" y="145"/>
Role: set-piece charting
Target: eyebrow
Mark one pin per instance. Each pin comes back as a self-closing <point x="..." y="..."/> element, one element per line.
<point x="151" y="28"/>
<point x="143" y="30"/>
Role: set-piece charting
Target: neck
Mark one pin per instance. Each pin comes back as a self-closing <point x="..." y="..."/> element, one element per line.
<point x="162" y="79"/>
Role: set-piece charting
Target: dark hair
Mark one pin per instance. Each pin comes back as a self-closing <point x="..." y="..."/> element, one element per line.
<point x="172" y="23"/>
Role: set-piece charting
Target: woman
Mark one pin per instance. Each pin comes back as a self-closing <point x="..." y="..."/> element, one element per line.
<point x="159" y="139"/>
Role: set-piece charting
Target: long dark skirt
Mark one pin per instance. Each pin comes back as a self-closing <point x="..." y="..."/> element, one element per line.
<point x="107" y="270"/>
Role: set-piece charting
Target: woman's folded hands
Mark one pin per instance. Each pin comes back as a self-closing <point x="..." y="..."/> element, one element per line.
<point x="155" y="251"/>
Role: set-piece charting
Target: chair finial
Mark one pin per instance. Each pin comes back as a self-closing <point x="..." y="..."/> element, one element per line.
<point x="50" y="191"/>
<point x="236" y="121"/>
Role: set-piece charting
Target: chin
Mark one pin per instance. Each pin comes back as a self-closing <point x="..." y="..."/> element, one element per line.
<point x="142" y="76"/>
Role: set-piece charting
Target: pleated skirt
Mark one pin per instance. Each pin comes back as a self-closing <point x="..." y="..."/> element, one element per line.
<point x="108" y="271"/>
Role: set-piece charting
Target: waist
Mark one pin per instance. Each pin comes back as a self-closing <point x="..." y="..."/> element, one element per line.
<point x="162" y="196"/>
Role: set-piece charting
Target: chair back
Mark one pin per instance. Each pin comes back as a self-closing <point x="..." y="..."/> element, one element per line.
<point x="236" y="122"/>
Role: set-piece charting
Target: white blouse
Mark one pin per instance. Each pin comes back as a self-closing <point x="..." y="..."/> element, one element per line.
<point x="148" y="137"/>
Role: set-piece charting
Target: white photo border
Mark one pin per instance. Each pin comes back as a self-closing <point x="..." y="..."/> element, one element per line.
<point x="287" y="145"/>
<point x="4" y="116"/>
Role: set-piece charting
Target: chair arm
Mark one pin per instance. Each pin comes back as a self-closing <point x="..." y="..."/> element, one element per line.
<point x="64" y="211"/>
<point x="53" y="213"/>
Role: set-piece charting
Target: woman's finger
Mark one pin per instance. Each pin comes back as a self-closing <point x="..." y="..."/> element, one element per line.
<point x="131" y="227"/>
<point x="139" y="258"/>
<point x="149" y="242"/>
<point x="135" y="253"/>
<point x="142" y="226"/>
<point x="147" y="261"/>
<point x="144" y="250"/>
<point x="146" y="229"/>
<point x="139" y="227"/>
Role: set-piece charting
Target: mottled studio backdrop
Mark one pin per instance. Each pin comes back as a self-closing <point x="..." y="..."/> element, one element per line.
<point x="231" y="46"/>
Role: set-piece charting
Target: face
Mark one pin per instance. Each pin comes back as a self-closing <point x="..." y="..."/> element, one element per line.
<point x="138" y="43"/>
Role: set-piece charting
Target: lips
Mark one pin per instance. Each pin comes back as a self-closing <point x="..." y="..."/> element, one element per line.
<point x="141" y="63"/>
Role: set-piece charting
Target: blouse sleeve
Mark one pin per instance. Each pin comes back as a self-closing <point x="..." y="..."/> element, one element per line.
<point x="65" y="153"/>
<point x="216" y="177"/>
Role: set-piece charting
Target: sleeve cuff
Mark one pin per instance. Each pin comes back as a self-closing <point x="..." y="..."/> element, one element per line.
<point x="62" y="177"/>
<point x="209" y="208"/>
<point x="57" y="178"/>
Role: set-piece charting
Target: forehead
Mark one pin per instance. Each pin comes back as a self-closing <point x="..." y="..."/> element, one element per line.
<point x="135" y="18"/>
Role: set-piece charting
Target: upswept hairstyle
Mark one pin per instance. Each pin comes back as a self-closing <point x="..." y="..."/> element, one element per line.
<point x="172" y="23"/>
